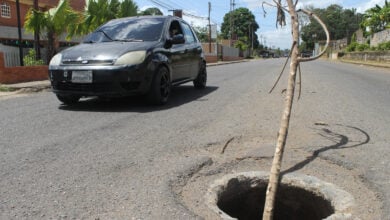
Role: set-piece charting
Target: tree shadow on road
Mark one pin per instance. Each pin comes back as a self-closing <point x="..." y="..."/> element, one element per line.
<point x="179" y="96"/>
<point x="340" y="140"/>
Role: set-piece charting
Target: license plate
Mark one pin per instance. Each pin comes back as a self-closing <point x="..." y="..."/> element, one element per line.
<point x="82" y="76"/>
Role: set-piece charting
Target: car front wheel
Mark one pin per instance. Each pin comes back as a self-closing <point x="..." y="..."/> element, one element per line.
<point x="68" y="99"/>
<point x="161" y="87"/>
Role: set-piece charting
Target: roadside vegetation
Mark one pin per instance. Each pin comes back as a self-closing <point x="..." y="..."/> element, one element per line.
<point x="5" y="89"/>
<point x="344" y="23"/>
<point x="31" y="60"/>
<point x="359" y="47"/>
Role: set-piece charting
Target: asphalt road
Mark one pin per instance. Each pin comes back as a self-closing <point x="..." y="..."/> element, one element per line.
<point x="124" y="159"/>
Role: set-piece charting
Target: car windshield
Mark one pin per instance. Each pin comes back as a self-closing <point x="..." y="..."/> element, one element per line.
<point x="135" y="29"/>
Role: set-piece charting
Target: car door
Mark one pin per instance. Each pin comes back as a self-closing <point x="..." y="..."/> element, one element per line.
<point x="178" y="54"/>
<point x="193" y="51"/>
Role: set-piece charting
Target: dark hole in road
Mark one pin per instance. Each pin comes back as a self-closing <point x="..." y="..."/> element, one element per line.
<point x="245" y="200"/>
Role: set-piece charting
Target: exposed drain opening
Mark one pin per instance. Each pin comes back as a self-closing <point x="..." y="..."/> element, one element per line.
<point x="242" y="196"/>
<point x="242" y="201"/>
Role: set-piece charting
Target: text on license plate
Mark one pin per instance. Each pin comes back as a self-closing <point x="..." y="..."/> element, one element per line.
<point x="82" y="76"/>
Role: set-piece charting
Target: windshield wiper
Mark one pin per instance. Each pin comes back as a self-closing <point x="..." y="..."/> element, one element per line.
<point x="129" y="40"/>
<point x="105" y="34"/>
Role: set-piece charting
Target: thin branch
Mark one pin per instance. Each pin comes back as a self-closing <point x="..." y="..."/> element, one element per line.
<point x="281" y="73"/>
<point x="311" y="14"/>
<point x="275" y="6"/>
<point x="281" y="17"/>
<point x="227" y="143"/>
<point x="295" y="5"/>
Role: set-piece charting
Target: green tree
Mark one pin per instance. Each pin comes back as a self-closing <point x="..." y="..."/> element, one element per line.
<point x="202" y="33"/>
<point x="51" y="23"/>
<point x="99" y="12"/>
<point x="127" y="8"/>
<point x="376" y="19"/>
<point x="244" y="27"/>
<point x="151" y="11"/>
<point x="341" y="23"/>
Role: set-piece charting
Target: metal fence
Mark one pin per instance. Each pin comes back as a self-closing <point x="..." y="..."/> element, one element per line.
<point x="11" y="55"/>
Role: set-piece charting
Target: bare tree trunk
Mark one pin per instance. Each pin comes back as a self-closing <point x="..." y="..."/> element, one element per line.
<point x="37" y="45"/>
<point x="283" y="131"/>
<point x="274" y="178"/>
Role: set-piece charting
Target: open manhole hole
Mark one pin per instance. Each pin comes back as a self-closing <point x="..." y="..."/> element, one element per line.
<point x="242" y="196"/>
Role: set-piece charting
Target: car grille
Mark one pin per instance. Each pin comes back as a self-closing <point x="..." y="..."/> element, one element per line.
<point x="87" y="62"/>
<point x="95" y="87"/>
<point x="87" y="88"/>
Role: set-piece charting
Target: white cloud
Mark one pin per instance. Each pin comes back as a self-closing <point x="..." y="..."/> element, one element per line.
<point x="279" y="38"/>
<point x="316" y="3"/>
<point x="370" y="4"/>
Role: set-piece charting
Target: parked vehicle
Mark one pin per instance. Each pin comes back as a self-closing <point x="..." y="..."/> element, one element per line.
<point x="130" y="56"/>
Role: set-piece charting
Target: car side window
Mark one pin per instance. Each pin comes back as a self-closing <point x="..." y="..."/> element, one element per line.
<point x="188" y="34"/>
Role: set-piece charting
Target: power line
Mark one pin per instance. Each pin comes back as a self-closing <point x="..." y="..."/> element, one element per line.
<point x="171" y="6"/>
<point x="161" y="4"/>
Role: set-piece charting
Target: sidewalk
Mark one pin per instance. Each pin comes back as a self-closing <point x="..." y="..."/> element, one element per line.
<point x="34" y="86"/>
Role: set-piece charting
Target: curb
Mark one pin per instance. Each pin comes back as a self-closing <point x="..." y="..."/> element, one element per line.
<point x="26" y="87"/>
<point x="373" y="64"/>
<point x="226" y="62"/>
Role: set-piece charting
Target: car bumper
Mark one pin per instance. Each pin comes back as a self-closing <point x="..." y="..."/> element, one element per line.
<point x="106" y="80"/>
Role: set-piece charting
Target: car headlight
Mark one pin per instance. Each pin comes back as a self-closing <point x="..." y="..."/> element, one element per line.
<point x="55" y="61"/>
<point x="131" y="58"/>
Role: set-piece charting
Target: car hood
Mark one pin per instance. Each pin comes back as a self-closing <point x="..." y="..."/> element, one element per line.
<point x="104" y="51"/>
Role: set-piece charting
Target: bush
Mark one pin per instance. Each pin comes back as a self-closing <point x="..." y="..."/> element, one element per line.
<point x="384" y="46"/>
<point x="362" y="47"/>
<point x="29" y="59"/>
<point x="352" y="47"/>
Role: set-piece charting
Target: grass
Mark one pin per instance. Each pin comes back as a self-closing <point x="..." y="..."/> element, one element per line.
<point x="5" y="89"/>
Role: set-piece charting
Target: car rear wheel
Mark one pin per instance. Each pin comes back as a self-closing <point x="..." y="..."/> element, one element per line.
<point x="161" y="87"/>
<point x="68" y="99"/>
<point x="201" y="79"/>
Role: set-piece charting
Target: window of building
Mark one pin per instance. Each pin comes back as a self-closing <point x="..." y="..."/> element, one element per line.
<point x="5" y="10"/>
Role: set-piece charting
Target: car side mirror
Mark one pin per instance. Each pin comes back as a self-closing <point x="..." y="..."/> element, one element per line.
<point x="178" y="39"/>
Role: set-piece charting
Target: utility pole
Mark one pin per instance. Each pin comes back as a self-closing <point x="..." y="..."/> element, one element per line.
<point x="37" y="45"/>
<point x="231" y="23"/>
<point x="19" y="33"/>
<point x="209" y="27"/>
<point x="252" y="37"/>
<point x="232" y="4"/>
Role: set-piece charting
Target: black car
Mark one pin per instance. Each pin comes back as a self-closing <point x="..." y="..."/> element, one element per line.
<point x="130" y="56"/>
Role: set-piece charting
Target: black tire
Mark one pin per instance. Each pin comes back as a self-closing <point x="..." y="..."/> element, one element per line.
<point x="161" y="87"/>
<point x="201" y="79"/>
<point x="68" y="99"/>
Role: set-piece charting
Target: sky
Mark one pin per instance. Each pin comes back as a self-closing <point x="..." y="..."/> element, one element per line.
<point x="196" y="13"/>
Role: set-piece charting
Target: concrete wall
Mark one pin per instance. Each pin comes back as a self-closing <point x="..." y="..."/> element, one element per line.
<point x="380" y="37"/>
<point x="220" y="52"/>
<point x="373" y="56"/>
<point x="9" y="75"/>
